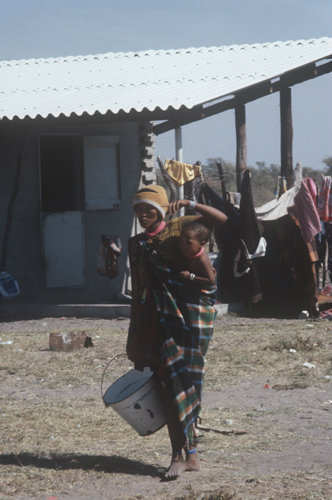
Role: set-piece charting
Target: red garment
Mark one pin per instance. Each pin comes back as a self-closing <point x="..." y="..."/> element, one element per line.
<point x="312" y="188"/>
<point x="324" y="204"/>
<point x="306" y="213"/>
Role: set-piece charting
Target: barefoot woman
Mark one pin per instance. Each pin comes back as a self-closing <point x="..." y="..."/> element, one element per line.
<point x="171" y="321"/>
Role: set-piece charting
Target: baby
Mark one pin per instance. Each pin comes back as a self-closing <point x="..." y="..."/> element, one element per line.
<point x="200" y="271"/>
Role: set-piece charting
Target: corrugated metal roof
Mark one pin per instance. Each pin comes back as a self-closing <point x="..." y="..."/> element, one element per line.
<point x="152" y="79"/>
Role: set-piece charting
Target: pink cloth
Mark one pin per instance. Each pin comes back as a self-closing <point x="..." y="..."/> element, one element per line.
<point x="324" y="204"/>
<point x="311" y="185"/>
<point x="161" y="226"/>
<point x="306" y="213"/>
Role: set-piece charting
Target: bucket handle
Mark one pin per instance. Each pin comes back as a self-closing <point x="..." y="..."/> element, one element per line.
<point x="102" y="378"/>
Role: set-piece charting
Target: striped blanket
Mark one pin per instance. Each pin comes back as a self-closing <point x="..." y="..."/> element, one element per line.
<point x="185" y="317"/>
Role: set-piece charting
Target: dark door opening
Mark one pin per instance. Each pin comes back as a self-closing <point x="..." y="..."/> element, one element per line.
<point x="61" y="173"/>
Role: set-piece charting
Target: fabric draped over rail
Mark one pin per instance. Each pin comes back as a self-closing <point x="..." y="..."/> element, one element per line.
<point x="284" y="279"/>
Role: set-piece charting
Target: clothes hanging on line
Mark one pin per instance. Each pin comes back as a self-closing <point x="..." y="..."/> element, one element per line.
<point x="233" y="197"/>
<point x="242" y="287"/>
<point x="281" y="187"/>
<point x="324" y="202"/>
<point x="312" y="188"/>
<point x="181" y="172"/>
<point x="304" y="209"/>
<point x="192" y="188"/>
<point x="328" y="231"/>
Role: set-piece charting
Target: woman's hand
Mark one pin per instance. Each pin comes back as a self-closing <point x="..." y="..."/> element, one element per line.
<point x="175" y="206"/>
<point x="211" y="217"/>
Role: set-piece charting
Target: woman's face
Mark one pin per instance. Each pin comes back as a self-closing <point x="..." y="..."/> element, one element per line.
<point x="148" y="216"/>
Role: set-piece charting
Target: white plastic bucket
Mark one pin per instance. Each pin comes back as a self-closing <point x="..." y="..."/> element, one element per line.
<point x="136" y="398"/>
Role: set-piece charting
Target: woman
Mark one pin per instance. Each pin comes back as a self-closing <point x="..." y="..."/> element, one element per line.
<point x="171" y="321"/>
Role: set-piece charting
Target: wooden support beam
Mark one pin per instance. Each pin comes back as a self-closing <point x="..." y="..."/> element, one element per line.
<point x="286" y="136"/>
<point x="193" y="115"/>
<point x="241" y="143"/>
<point x="257" y="91"/>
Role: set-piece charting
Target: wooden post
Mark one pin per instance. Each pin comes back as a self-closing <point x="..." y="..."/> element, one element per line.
<point x="222" y="179"/>
<point x="286" y="136"/>
<point x="241" y="143"/>
<point x="179" y="157"/>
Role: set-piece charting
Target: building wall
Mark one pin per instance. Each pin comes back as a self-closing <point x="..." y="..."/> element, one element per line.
<point x="24" y="256"/>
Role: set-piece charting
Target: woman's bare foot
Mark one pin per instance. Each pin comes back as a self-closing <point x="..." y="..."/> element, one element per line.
<point x="192" y="462"/>
<point x="178" y="465"/>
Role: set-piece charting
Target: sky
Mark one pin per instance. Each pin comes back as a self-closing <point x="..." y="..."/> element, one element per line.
<point x="56" y="28"/>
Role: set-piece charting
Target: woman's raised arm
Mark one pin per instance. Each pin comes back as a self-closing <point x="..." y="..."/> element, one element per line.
<point x="211" y="217"/>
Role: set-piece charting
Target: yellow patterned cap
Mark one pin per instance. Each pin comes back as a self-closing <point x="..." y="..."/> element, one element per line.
<point x="153" y="195"/>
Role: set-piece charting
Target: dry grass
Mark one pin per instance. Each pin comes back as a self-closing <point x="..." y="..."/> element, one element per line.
<point x="29" y="355"/>
<point x="262" y="348"/>
<point x="56" y="433"/>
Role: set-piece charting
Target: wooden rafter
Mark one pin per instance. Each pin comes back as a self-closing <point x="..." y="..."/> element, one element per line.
<point x="265" y="88"/>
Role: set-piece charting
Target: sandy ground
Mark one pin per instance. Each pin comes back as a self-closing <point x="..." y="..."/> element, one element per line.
<point x="276" y="445"/>
<point x="303" y="415"/>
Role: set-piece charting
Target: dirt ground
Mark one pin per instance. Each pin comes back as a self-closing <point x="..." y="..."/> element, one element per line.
<point x="265" y="426"/>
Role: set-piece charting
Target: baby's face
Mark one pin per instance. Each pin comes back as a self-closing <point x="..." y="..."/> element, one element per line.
<point x="189" y="243"/>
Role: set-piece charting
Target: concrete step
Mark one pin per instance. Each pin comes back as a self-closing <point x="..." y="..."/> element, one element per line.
<point x="17" y="311"/>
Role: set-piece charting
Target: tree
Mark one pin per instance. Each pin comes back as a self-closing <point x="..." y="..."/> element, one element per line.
<point x="264" y="179"/>
<point x="264" y="182"/>
<point x="211" y="174"/>
<point x="328" y="165"/>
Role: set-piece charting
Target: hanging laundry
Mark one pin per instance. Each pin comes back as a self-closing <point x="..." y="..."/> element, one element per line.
<point x="306" y="213"/>
<point x="180" y="172"/>
<point x="322" y="252"/>
<point x="233" y="197"/>
<point x="298" y="174"/>
<point x="312" y="188"/>
<point x="328" y="231"/>
<point x="191" y="189"/>
<point x="249" y="226"/>
<point x="281" y="187"/>
<point x="324" y="203"/>
<point x="251" y="233"/>
<point x="108" y="255"/>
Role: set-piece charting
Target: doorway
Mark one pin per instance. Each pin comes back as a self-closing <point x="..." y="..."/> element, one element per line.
<point x="61" y="192"/>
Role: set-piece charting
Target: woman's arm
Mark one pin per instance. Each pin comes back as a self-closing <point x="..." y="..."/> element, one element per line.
<point x="211" y="217"/>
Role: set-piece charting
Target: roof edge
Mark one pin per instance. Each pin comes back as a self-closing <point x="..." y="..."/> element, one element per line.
<point x="131" y="54"/>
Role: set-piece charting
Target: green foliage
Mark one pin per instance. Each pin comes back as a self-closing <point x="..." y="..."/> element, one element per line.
<point x="328" y="167"/>
<point x="316" y="175"/>
<point x="264" y="178"/>
<point x="211" y="175"/>
<point x="264" y="181"/>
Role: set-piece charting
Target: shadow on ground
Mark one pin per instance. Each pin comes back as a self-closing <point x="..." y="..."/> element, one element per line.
<point x="110" y="464"/>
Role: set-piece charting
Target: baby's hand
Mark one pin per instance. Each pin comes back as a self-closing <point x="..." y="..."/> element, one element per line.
<point x="184" y="275"/>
